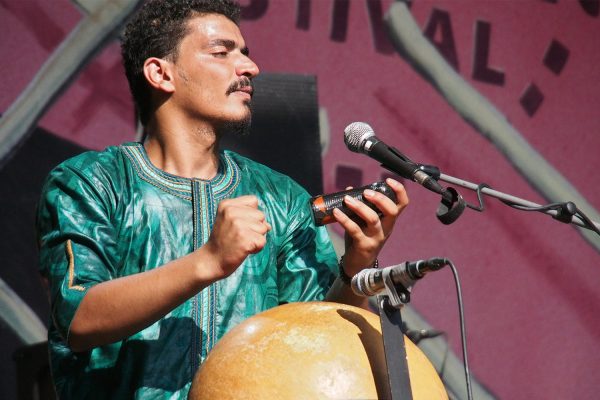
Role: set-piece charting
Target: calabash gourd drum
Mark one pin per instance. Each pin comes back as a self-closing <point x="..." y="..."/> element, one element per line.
<point x="315" y="350"/>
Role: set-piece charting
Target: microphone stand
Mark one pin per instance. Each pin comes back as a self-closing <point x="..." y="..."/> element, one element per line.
<point x="453" y="204"/>
<point x="565" y="213"/>
<point x="390" y="304"/>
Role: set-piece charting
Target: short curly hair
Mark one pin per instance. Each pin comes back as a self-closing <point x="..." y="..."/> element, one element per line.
<point x="156" y="30"/>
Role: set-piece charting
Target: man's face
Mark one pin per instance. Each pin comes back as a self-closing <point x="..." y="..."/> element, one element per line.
<point x="213" y="72"/>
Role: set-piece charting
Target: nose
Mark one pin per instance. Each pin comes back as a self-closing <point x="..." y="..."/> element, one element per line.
<point x="247" y="67"/>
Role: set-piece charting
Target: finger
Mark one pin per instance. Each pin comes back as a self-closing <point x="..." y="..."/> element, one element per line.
<point x="268" y="225"/>
<point x="247" y="201"/>
<point x="382" y="202"/>
<point x="243" y="213"/>
<point x="251" y="242"/>
<point x="351" y="227"/>
<point x="364" y="212"/>
<point x="256" y="243"/>
<point x="244" y="224"/>
<point x="401" y="195"/>
<point x="259" y="227"/>
<point x="390" y="215"/>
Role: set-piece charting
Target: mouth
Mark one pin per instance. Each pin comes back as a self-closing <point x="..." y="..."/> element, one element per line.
<point x="245" y="91"/>
<point x="243" y="87"/>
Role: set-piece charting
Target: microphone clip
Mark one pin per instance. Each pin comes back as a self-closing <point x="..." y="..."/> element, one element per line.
<point x="430" y="170"/>
<point x="397" y="293"/>
<point x="405" y="169"/>
<point x="451" y="207"/>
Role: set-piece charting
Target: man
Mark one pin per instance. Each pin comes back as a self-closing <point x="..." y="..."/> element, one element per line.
<point x="153" y="251"/>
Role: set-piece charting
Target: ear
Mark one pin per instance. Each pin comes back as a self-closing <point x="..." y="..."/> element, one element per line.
<point x="159" y="74"/>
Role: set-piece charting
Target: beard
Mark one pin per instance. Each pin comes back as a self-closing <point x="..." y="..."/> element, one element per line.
<point x="240" y="128"/>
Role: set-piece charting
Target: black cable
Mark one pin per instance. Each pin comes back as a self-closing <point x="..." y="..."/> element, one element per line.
<point x="546" y="207"/>
<point x="588" y="221"/>
<point x="558" y="207"/>
<point x="463" y="330"/>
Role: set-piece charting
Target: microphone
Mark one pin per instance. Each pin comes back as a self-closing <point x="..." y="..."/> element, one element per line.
<point x="360" y="138"/>
<point x="417" y="335"/>
<point x="369" y="282"/>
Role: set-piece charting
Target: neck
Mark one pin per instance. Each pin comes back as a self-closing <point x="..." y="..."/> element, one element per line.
<point x="183" y="151"/>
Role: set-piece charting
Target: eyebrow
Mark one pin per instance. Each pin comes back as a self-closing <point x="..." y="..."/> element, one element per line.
<point x="228" y="44"/>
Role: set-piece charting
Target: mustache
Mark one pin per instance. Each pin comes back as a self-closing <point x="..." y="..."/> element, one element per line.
<point x="242" y="83"/>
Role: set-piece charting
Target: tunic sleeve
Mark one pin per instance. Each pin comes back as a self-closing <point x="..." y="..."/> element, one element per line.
<point x="307" y="260"/>
<point x="75" y="238"/>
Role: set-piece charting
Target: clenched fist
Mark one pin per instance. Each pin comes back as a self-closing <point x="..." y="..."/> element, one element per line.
<point x="239" y="230"/>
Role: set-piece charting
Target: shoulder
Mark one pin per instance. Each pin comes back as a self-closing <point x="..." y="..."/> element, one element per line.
<point x="92" y="173"/>
<point x="88" y="162"/>
<point x="96" y="166"/>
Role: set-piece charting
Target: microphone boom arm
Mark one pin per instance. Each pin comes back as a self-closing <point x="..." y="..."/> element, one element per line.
<point x="579" y="220"/>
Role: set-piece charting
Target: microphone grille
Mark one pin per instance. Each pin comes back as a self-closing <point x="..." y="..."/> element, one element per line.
<point x="355" y="135"/>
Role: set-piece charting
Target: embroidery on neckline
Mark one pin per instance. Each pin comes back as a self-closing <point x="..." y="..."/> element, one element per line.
<point x="226" y="180"/>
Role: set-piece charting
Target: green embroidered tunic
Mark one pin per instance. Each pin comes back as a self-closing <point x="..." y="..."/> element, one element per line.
<point x="109" y="214"/>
